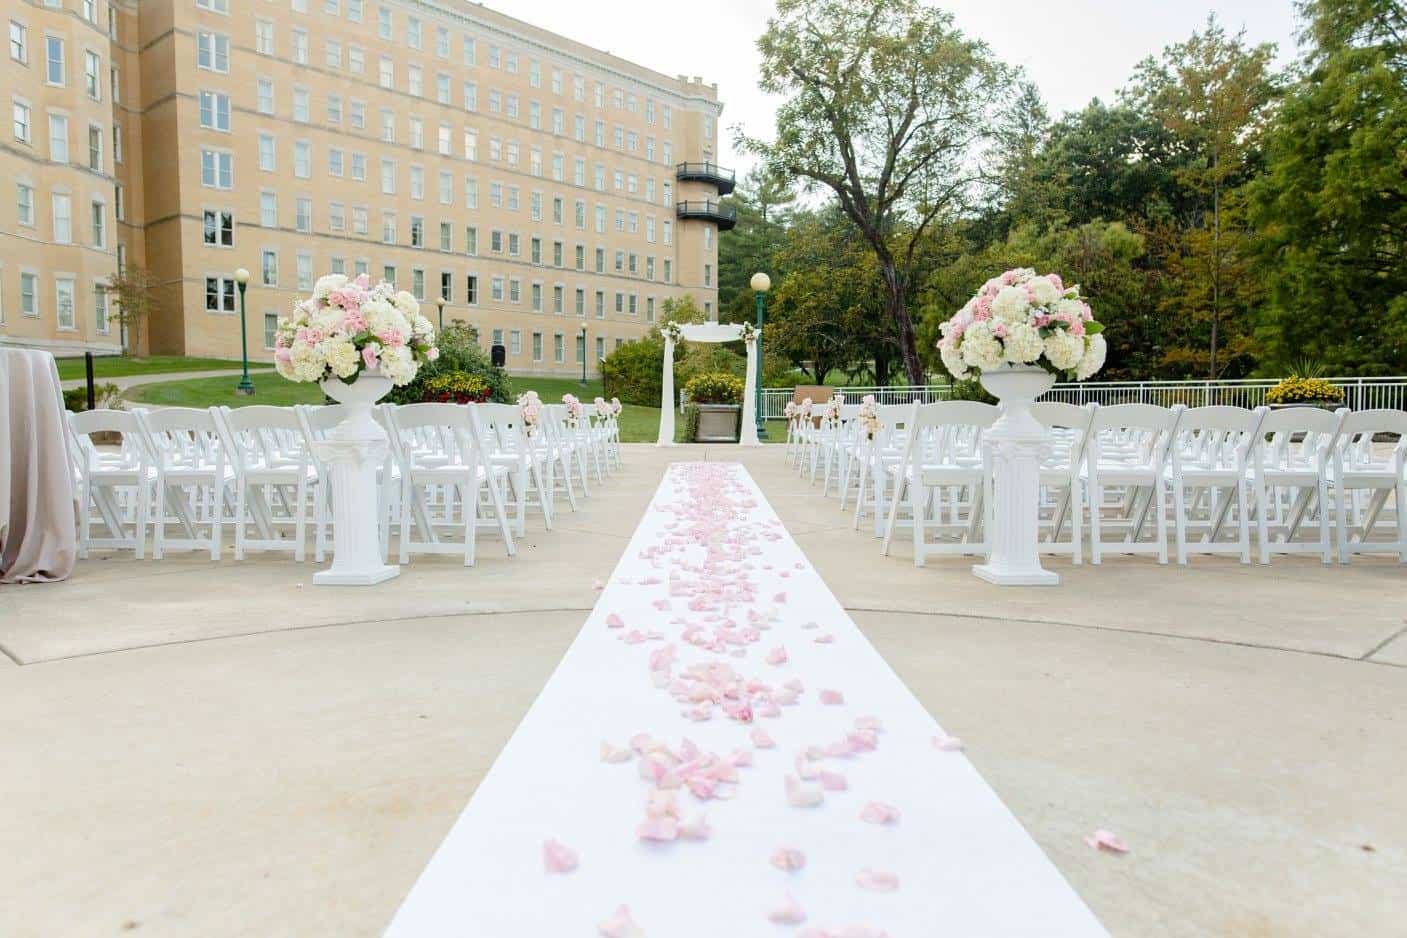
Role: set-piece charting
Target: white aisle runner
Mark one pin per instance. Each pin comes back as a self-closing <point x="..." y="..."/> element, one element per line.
<point x="677" y="670"/>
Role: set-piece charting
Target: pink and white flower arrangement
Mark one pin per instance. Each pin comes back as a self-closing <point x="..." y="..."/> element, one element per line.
<point x="603" y="408"/>
<point x="832" y="411"/>
<point x="575" y="410"/>
<point x="869" y="415"/>
<point x="531" y="407"/>
<point x="1024" y="318"/>
<point x="347" y="327"/>
<point x="616" y="407"/>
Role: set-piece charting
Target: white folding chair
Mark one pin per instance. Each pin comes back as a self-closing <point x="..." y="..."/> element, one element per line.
<point x="273" y="473"/>
<point x="190" y="479"/>
<point x="529" y="470"/>
<point x="1360" y="467"/>
<point x="1062" y="492"/>
<point x="942" y="456"/>
<point x="882" y="453"/>
<point x="1292" y="478"/>
<point x="1209" y="468"/>
<point x="114" y="483"/>
<point x="1127" y="449"/>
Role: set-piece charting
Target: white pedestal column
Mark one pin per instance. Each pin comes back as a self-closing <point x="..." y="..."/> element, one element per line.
<point x="1014" y="447"/>
<point x="352" y="452"/>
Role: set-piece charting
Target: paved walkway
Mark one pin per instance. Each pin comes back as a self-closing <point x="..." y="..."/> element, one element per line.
<point x="225" y="750"/>
<point x="129" y="381"/>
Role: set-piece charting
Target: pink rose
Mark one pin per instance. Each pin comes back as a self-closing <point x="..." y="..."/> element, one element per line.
<point x="362" y="282"/>
<point x="999" y="330"/>
<point x="432" y="353"/>
<point x="391" y="338"/>
<point x="301" y="335"/>
<point x="1056" y="281"/>
<point x="353" y="323"/>
<point x="1077" y="327"/>
<point x="369" y="354"/>
<point x="282" y="355"/>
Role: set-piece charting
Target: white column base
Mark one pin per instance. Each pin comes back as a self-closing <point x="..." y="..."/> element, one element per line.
<point x="368" y="577"/>
<point x="1004" y="577"/>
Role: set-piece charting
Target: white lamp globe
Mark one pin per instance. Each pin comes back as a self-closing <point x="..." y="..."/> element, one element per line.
<point x="760" y="282"/>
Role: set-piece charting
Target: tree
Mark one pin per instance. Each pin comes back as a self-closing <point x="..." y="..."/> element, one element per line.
<point x="1331" y="209"/>
<point x="1215" y="95"/>
<point x="889" y="108"/>
<point x="764" y="203"/>
<point x="826" y="310"/>
<point x="135" y="290"/>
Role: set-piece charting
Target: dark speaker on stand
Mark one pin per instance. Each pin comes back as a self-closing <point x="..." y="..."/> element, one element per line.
<point x="499" y="355"/>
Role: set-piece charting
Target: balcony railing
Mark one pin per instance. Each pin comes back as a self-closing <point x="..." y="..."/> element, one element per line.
<point x="706" y="172"/>
<point x="725" y="216"/>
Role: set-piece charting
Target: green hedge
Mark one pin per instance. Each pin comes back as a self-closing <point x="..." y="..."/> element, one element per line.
<point x="460" y="354"/>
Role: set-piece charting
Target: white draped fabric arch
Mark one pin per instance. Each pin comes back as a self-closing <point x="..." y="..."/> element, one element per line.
<point x="710" y="332"/>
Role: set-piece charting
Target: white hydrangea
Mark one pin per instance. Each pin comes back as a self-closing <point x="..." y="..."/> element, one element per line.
<point x="398" y="364"/>
<point x="422" y="327"/>
<point x="381" y="316"/>
<point x="1011" y="304"/>
<point x="1043" y="291"/>
<point x="342" y="357"/>
<point x="325" y="285"/>
<point x="952" y="360"/>
<point x="1072" y="308"/>
<point x="307" y="361"/>
<point x="406" y="303"/>
<point x="1023" y="343"/>
<point x="980" y="348"/>
<point x="1093" y="360"/>
<point x="1064" y="350"/>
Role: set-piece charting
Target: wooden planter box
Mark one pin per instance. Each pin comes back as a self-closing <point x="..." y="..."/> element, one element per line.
<point x="718" y="423"/>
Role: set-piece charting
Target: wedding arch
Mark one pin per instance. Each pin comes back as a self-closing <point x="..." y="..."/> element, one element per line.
<point x="710" y="332"/>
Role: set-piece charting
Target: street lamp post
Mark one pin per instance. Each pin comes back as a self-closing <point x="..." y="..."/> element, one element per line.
<point x="441" y="304"/>
<point x="245" y="386"/>
<point x="583" y="356"/>
<point x="760" y="284"/>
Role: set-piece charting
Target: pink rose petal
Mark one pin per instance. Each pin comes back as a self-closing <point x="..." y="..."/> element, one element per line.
<point x="614" y="621"/>
<point x="788" y="858"/>
<point x="1106" y="840"/>
<point x="825" y="639"/>
<point x="779" y="598"/>
<point x="802" y="796"/>
<point x="832" y="781"/>
<point x="762" y="739"/>
<point x="658" y="828"/>
<point x="558" y="857"/>
<point x="877" y="880"/>
<point x="947" y="743"/>
<point x="877" y="812"/>
<point x="832" y="697"/>
<point x="788" y="913"/>
<point x="620" y="925"/>
<point x="777" y="655"/>
<point x="596" y="583"/>
<point x="695" y="828"/>
<point x="613" y="754"/>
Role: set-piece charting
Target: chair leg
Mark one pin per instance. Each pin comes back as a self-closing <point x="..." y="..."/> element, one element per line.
<point x="217" y="519"/>
<point x="1159" y="494"/>
<point x="1340" y="497"/>
<point x="1400" y="496"/>
<point x="919" y="498"/>
<point x="241" y="505"/>
<point x="893" y="517"/>
<point x="143" y="514"/>
<point x="407" y="497"/>
<point x="471" y="521"/>
<point x="300" y="522"/>
<point x="1094" y="499"/>
<point x="1326" y="553"/>
<point x="1179" y="522"/>
<point x="158" y="540"/>
<point x="1244" y="524"/>
<point x="85" y="520"/>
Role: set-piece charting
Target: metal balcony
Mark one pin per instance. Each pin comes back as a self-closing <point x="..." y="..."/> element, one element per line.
<point x="724" y="216"/>
<point x="710" y="173"/>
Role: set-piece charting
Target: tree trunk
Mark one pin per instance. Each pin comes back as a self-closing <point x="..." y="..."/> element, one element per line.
<point x="897" y="309"/>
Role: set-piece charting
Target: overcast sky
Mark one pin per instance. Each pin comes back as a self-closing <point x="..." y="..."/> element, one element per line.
<point x="1074" y="50"/>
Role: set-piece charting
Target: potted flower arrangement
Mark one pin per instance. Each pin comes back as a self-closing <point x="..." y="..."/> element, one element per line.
<point x="1019" y="333"/>
<point x="718" y="398"/>
<point x="357" y="341"/>
<point x="1297" y="391"/>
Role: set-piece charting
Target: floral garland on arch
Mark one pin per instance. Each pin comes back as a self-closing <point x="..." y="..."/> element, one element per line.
<point x="672" y="331"/>
<point x="749" y="333"/>
<point x="347" y="327"/>
<point x="1023" y="318"/>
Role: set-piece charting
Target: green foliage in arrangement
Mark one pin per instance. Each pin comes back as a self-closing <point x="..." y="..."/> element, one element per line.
<point x="715" y="388"/>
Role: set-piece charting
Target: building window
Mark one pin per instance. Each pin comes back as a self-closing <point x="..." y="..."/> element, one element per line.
<point x="305" y="271"/>
<point x="264" y="37"/>
<point x="268" y="267"/>
<point x="219" y="295"/>
<point x="24" y="204"/>
<point x="214" y="110"/>
<point x="537" y="346"/>
<point x="264" y="92"/>
<point x="63" y="218"/>
<point x="63" y="303"/>
<point x="212" y="51"/>
<point x="19" y="42"/>
<point x="471" y="290"/>
<point x="268" y="209"/>
<point x="558" y="348"/>
<point x="29" y="294"/>
<point x="99" y="218"/>
<point x="447" y="285"/>
<point x="303" y="214"/>
<point x="100" y="311"/>
<point x="302" y="159"/>
<point x="23" y="122"/>
<point x="216" y="169"/>
<point x="54" y="67"/>
<point x="92" y="69"/>
<point x="95" y="148"/>
<point x="270" y="329"/>
<point x="58" y="138"/>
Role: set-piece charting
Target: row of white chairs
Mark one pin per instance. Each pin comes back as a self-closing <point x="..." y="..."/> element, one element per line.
<point x="189" y="475"/>
<point x="1129" y="477"/>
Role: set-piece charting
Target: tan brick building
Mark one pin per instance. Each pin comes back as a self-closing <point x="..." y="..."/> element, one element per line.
<point x="539" y="185"/>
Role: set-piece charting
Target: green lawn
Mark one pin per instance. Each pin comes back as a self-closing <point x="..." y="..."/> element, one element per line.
<point x="269" y="388"/>
<point x="637" y="424"/>
<point x="114" y="366"/>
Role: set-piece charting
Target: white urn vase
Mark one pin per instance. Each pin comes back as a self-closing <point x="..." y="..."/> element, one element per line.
<point x="1014" y="447"/>
<point x="352" y="452"/>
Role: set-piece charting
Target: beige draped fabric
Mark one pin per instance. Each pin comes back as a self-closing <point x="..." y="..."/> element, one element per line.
<point x="38" y="538"/>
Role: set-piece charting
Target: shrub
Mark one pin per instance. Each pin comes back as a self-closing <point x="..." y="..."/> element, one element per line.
<point x="970" y="390"/>
<point x="634" y="372"/>
<point x="691" y="422"/>
<point x="1297" y="390"/>
<point x="715" y="388"/>
<point x="459" y="354"/>
<point x="457" y="387"/>
<point x="105" y="396"/>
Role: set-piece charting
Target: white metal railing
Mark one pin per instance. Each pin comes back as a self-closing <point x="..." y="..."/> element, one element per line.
<point x="1359" y="393"/>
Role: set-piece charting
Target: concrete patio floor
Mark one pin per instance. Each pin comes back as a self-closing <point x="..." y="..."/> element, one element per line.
<point x="225" y="750"/>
